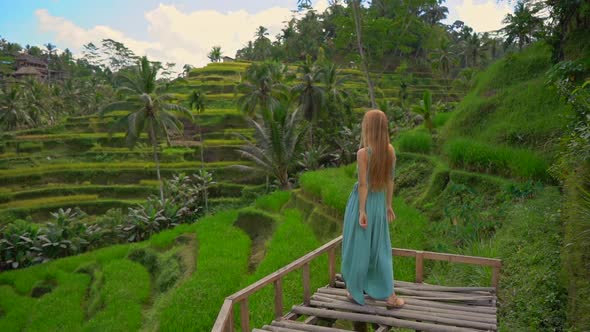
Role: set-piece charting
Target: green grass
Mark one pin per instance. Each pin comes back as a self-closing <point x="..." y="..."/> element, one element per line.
<point x="116" y="191"/>
<point x="575" y="259"/>
<point x="136" y="165"/>
<point x="273" y="202"/>
<point x="528" y="242"/>
<point x="469" y="154"/>
<point x="57" y="200"/>
<point x="281" y="250"/>
<point x="414" y="141"/>
<point x="331" y="186"/>
<point x="222" y="248"/>
<point x="41" y="212"/>
<point x="440" y="119"/>
<point x="126" y="289"/>
<point x="512" y="105"/>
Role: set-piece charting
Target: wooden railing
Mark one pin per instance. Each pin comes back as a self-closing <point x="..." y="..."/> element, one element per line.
<point x="225" y="317"/>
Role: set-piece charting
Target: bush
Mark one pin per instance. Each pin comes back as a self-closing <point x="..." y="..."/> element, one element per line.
<point x="472" y="155"/>
<point x="419" y="142"/>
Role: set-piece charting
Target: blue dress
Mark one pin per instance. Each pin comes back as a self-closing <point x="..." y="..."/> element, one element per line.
<point x="367" y="265"/>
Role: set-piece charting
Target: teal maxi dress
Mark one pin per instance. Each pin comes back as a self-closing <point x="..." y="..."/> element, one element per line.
<point x="367" y="265"/>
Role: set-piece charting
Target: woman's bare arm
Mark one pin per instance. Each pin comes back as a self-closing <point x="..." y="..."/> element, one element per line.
<point x="363" y="189"/>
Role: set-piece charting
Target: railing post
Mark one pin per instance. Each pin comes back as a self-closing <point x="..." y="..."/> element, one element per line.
<point x="419" y="266"/>
<point x="306" y="284"/>
<point x="244" y="315"/>
<point x="278" y="298"/>
<point x="230" y="321"/>
<point x="332" y="266"/>
<point x="495" y="277"/>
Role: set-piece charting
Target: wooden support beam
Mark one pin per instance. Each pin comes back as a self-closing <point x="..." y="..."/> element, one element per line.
<point x="307" y="327"/>
<point x="306" y="284"/>
<point x="332" y="266"/>
<point x="279" y="329"/>
<point x="419" y="266"/>
<point x="390" y="321"/>
<point x="434" y="304"/>
<point x="244" y="315"/>
<point x="278" y="285"/>
<point x="456" y="321"/>
<point x="417" y="309"/>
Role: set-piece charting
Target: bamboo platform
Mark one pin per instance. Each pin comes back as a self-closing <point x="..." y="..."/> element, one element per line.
<point x="428" y="307"/>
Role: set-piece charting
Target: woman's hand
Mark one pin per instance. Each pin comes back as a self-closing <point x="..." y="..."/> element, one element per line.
<point x="390" y="215"/>
<point x="363" y="219"/>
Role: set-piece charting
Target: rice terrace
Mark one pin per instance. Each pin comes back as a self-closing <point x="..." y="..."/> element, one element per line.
<point x="190" y="166"/>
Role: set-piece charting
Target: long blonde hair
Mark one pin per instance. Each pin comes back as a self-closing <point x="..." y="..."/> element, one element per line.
<point x="375" y="135"/>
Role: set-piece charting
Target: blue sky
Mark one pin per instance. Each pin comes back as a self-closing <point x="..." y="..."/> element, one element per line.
<point x="180" y="30"/>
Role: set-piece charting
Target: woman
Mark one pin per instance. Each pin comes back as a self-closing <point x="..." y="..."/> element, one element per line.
<point x="367" y="265"/>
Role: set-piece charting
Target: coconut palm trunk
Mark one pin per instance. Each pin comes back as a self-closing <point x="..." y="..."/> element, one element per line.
<point x="206" y="192"/>
<point x="357" y="24"/>
<point x="156" y="159"/>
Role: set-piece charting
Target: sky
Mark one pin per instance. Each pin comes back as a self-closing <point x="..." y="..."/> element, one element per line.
<point x="180" y="31"/>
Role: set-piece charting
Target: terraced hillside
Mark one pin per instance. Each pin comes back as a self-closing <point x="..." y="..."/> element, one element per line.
<point x="464" y="191"/>
<point x="79" y="163"/>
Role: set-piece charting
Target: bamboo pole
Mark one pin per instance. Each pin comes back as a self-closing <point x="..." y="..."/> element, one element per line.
<point x="378" y="319"/>
<point x="451" y="306"/>
<point x="278" y="329"/>
<point x="404" y="314"/>
<point x="306" y="327"/>
<point x="475" y="317"/>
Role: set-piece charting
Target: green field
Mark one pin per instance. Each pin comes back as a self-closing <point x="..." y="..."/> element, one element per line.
<point x="479" y="186"/>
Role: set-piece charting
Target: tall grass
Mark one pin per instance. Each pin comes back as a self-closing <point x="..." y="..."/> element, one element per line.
<point x="482" y="157"/>
<point x="512" y="105"/>
<point x="414" y="141"/>
<point x="222" y="261"/>
<point x="282" y="250"/>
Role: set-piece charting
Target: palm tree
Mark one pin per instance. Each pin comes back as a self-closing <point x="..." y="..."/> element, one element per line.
<point x="153" y="110"/>
<point x="186" y="69"/>
<point x="523" y="25"/>
<point x="275" y="144"/>
<point x="36" y="96"/>
<point x="310" y="95"/>
<point x="434" y="13"/>
<point x="443" y="59"/>
<point x="262" y="45"/>
<point x="425" y="109"/>
<point x="262" y="88"/>
<point x="336" y="96"/>
<point x="357" y="23"/>
<point x="13" y="114"/>
<point x="196" y="102"/>
<point x="215" y="54"/>
<point x="473" y="50"/>
<point x="261" y="32"/>
<point x="50" y="49"/>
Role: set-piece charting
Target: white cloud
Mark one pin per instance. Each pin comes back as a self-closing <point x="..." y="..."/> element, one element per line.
<point x="176" y="36"/>
<point x="67" y="34"/>
<point x="481" y="15"/>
